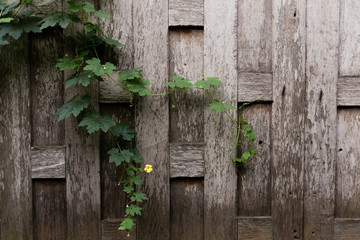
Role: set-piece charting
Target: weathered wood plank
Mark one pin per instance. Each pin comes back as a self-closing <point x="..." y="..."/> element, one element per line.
<point x="151" y="52"/>
<point x="349" y="38"/>
<point x="49" y="201"/>
<point x="254" y="187"/>
<point x="220" y="60"/>
<point x="255" y="87"/>
<point x="112" y="92"/>
<point x="187" y="209"/>
<point x="348" y="91"/>
<point x="254" y="35"/>
<point x="186" y="160"/>
<point x="186" y="13"/>
<point x="15" y="164"/>
<point x="45" y="6"/>
<point x="48" y="162"/>
<point x="348" y="169"/>
<point x="110" y="230"/>
<point x="288" y="113"/>
<point x="258" y="228"/>
<point x="346" y="228"/>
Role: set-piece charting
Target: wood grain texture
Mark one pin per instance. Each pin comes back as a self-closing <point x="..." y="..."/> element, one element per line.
<point x="346" y="228"/>
<point x="254" y="187"/>
<point x="186" y="160"/>
<point x="119" y="27"/>
<point x="46" y="6"/>
<point x="255" y="87"/>
<point x="288" y="113"/>
<point x="349" y="38"/>
<point x="220" y="60"/>
<point x="15" y="164"/>
<point x="186" y="60"/>
<point x="187" y="209"/>
<point x="320" y="124"/>
<point x="257" y="228"/>
<point x="254" y="35"/>
<point x="348" y="91"/>
<point x="151" y="52"/>
<point x="186" y="13"/>
<point x="347" y="167"/>
<point x="111" y="92"/>
<point x="110" y="230"/>
<point x="49" y="202"/>
<point x="48" y="162"/>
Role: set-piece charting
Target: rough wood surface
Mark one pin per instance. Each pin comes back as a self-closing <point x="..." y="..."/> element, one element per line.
<point x="111" y="92"/>
<point x="46" y="6"/>
<point x="186" y="160"/>
<point x="186" y="60"/>
<point x="110" y="230"/>
<point x="187" y="209"/>
<point x="48" y="162"/>
<point x="349" y="38"/>
<point x="15" y="164"/>
<point x="348" y="91"/>
<point x="320" y="124"/>
<point x="348" y="169"/>
<point x="255" y="87"/>
<point x="186" y="13"/>
<point x="254" y="187"/>
<point x="346" y="228"/>
<point x="257" y="228"/>
<point x="220" y="60"/>
<point x="288" y="113"/>
<point x="49" y="201"/>
<point x="254" y="35"/>
<point x="151" y="52"/>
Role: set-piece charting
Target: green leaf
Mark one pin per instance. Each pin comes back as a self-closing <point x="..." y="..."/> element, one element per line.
<point x="252" y="152"/>
<point x="93" y="27"/>
<point x="74" y="106"/>
<point x="128" y="189"/>
<point x="180" y="82"/>
<point x="58" y="18"/>
<point x="124" y="131"/>
<point x="131" y="74"/>
<point x="6" y="20"/>
<point x="138" y="197"/>
<point x="229" y="106"/>
<point x="136" y="179"/>
<point x="95" y="66"/>
<point x="83" y="79"/>
<point x="24" y="23"/>
<point x="245" y="155"/>
<point x="88" y="7"/>
<point x="138" y="86"/>
<point x="251" y="135"/>
<point x="102" y="14"/>
<point x="118" y="157"/>
<point x="74" y="7"/>
<point x="126" y="224"/>
<point x="210" y="81"/>
<point x="66" y="63"/>
<point x="218" y="106"/>
<point x="8" y="8"/>
<point x="133" y="209"/>
<point x="93" y="122"/>
<point x="137" y="157"/>
<point x="113" y="42"/>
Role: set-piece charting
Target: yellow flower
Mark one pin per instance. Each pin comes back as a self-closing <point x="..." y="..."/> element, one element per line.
<point x="148" y="168"/>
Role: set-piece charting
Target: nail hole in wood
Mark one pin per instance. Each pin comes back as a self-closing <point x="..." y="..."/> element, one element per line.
<point x="260" y="142"/>
<point x="340" y="149"/>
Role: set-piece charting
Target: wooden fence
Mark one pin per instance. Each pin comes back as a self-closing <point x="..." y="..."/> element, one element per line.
<point x="301" y="61"/>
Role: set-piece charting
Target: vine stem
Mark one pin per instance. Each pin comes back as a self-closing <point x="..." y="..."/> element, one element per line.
<point x="3" y="7"/>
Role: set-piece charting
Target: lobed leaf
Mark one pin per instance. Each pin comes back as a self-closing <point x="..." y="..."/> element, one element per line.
<point x="83" y="79"/>
<point x="126" y="224"/>
<point x="119" y="157"/>
<point x="74" y="106"/>
<point x="124" y="131"/>
<point x="94" y="122"/>
<point x="95" y="66"/>
<point x="133" y="209"/>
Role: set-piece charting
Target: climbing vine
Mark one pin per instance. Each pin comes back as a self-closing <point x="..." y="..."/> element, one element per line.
<point x="83" y="60"/>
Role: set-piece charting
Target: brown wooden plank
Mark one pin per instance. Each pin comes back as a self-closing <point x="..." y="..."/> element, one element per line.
<point x="254" y="188"/>
<point x="255" y="87"/>
<point x="258" y="228"/>
<point x="347" y="168"/>
<point x="254" y="35"/>
<point x="346" y="228"/>
<point x="45" y="6"/>
<point x="48" y="162"/>
<point x="110" y="230"/>
<point x="111" y="90"/>
<point x="186" y="13"/>
<point x="186" y="160"/>
<point x="348" y="91"/>
<point x="220" y="60"/>
<point x="151" y="52"/>
<point x="187" y="209"/>
<point x="320" y="125"/>
<point x="49" y="203"/>
<point x="15" y="164"/>
<point x="349" y="51"/>
<point x="288" y="112"/>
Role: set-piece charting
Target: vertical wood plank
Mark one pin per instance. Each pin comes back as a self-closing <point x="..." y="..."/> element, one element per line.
<point x="15" y="163"/>
<point x="320" y="125"/>
<point x="151" y="52"/>
<point x="289" y="91"/>
<point x="220" y="60"/>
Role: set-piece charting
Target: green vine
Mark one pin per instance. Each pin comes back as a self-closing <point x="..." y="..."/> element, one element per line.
<point x="83" y="60"/>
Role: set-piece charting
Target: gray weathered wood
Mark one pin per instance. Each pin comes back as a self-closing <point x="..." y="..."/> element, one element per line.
<point x="254" y="35"/>
<point x="112" y="92"/>
<point x="15" y="164"/>
<point x="254" y="188"/>
<point x="257" y="228"/>
<point x="255" y="87"/>
<point x="186" y="160"/>
<point x="348" y="169"/>
<point x="288" y="113"/>
<point x="320" y="125"/>
<point x="48" y="162"/>
<point x="346" y="228"/>
<point x="349" y="38"/>
<point x="348" y="91"/>
<point x="110" y="230"/>
<point x="220" y="60"/>
<point x="151" y="52"/>
<point x="186" y="13"/>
